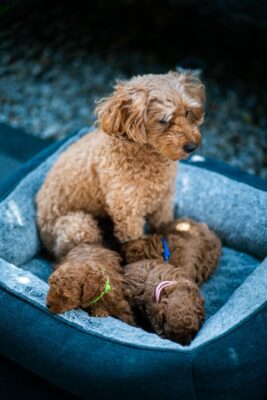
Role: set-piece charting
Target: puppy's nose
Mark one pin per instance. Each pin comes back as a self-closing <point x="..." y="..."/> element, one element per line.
<point x="48" y="305"/>
<point x="189" y="147"/>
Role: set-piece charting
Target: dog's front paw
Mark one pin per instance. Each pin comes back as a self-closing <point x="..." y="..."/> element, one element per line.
<point x="98" y="312"/>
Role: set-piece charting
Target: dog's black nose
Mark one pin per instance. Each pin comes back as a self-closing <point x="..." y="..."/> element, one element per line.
<point x="189" y="147"/>
<point x="48" y="305"/>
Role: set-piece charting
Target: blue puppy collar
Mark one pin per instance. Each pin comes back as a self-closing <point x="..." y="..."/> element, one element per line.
<point x="166" y="251"/>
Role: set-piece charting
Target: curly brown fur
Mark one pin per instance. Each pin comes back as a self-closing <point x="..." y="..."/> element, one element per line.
<point x="195" y="252"/>
<point x="81" y="276"/>
<point x="180" y="312"/>
<point x="194" y="248"/>
<point x="125" y="169"/>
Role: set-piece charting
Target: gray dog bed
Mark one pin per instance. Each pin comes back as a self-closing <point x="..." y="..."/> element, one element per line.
<point x="105" y="358"/>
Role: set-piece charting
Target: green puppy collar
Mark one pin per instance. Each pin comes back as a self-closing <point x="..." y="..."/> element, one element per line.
<point x="107" y="289"/>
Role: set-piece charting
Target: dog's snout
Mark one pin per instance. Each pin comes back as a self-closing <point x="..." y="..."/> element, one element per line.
<point x="189" y="147"/>
<point x="48" y="305"/>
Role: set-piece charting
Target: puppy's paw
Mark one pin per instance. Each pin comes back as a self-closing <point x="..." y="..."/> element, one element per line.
<point x="99" y="312"/>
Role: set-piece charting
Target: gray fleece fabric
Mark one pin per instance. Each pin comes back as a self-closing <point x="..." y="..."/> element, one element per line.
<point x="236" y="211"/>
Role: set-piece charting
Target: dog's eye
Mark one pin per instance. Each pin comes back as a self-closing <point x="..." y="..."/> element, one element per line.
<point x="187" y="114"/>
<point x="163" y="121"/>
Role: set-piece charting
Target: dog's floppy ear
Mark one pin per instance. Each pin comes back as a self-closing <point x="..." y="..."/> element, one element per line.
<point x="124" y="112"/>
<point x="93" y="287"/>
<point x="54" y="284"/>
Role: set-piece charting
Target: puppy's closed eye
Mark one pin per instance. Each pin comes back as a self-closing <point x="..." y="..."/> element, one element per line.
<point x="164" y="122"/>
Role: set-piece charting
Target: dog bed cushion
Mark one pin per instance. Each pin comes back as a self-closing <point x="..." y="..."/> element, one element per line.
<point x="104" y="358"/>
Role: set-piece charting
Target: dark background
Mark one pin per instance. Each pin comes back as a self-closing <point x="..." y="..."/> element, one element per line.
<point x="58" y="57"/>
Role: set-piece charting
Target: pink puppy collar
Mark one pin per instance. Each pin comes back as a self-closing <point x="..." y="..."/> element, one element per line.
<point x="162" y="285"/>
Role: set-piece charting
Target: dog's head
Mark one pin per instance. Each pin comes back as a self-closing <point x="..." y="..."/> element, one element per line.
<point x="70" y="291"/>
<point x="164" y="111"/>
<point x="180" y="312"/>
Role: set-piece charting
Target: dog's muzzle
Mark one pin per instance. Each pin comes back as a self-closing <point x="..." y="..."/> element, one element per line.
<point x="190" y="147"/>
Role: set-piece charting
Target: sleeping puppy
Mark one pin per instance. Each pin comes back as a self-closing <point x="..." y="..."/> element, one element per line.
<point x="167" y="300"/>
<point x="81" y="280"/>
<point x="193" y="248"/>
<point x="167" y="294"/>
<point x="126" y="168"/>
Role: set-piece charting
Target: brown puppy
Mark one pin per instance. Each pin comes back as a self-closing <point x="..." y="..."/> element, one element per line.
<point x="82" y="280"/>
<point x="126" y="168"/>
<point x="176" y="311"/>
<point x="194" y="248"/>
<point x="175" y="308"/>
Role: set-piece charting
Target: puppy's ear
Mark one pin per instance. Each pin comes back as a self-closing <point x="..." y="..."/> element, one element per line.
<point x="93" y="287"/>
<point x="54" y="283"/>
<point x="124" y="112"/>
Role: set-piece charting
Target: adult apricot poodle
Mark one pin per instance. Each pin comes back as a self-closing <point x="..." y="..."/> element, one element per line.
<point x="126" y="168"/>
